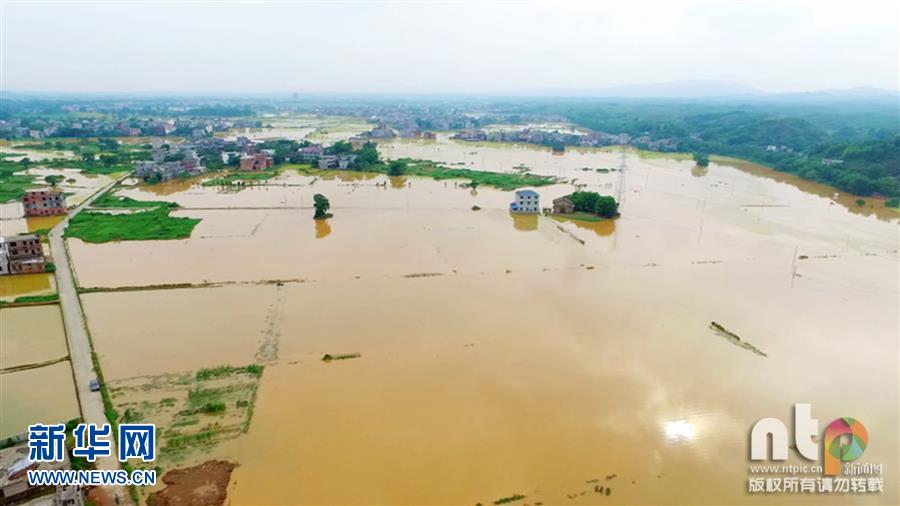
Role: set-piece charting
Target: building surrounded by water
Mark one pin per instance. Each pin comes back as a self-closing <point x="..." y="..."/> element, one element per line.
<point x="526" y="201"/>
<point x="21" y="254"/>
<point x="44" y="202"/>
<point x="563" y="205"/>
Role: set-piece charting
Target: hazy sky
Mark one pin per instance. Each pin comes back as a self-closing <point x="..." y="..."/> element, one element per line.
<point x="427" y="47"/>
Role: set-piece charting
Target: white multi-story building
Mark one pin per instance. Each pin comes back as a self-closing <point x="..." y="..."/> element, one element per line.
<point x="527" y="201"/>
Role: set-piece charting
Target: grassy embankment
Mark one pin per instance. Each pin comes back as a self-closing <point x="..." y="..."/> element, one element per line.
<point x="425" y="168"/>
<point x="500" y="180"/>
<point x="236" y="177"/>
<point x="110" y="200"/>
<point x="33" y="299"/>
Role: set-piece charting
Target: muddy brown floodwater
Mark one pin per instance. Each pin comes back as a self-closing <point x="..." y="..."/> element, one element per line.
<point x="504" y="355"/>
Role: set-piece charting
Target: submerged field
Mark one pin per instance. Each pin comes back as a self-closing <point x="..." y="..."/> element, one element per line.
<point x="498" y="356"/>
<point x="35" y="375"/>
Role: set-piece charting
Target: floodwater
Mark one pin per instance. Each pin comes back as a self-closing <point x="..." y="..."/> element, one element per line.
<point x="26" y="284"/>
<point x="507" y="355"/>
<point x="42" y="395"/>
<point x="31" y="335"/>
<point x="322" y="129"/>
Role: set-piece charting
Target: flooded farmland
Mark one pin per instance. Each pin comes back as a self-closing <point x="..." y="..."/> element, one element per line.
<point x="502" y="355"/>
<point x="36" y="380"/>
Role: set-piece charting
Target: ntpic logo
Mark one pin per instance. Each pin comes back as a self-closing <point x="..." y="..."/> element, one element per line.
<point x="845" y="441"/>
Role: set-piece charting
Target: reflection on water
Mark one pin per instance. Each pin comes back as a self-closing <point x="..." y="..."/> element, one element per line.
<point x="26" y="284"/>
<point x="398" y="182"/>
<point x="601" y="228"/>
<point x="42" y="222"/>
<point x="678" y="431"/>
<point x="525" y="222"/>
<point x="173" y="186"/>
<point x="347" y="176"/>
<point x="323" y="228"/>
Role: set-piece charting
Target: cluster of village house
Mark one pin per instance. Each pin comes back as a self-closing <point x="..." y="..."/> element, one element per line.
<point x="382" y="131"/>
<point x="170" y="161"/>
<point x="586" y="139"/>
<point x="23" y="254"/>
<point x="529" y="202"/>
<point x="101" y="127"/>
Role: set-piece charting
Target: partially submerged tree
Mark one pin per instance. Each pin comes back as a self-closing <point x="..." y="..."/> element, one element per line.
<point x="606" y="207"/>
<point x="702" y="159"/>
<point x="593" y="202"/>
<point x="397" y="168"/>
<point x="322" y="206"/>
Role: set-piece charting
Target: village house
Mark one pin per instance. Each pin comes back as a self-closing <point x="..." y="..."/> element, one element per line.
<point x="151" y="170"/>
<point x="21" y="254"/>
<point x="343" y="161"/>
<point x="429" y="136"/>
<point x="382" y="132"/>
<point x="563" y="205"/>
<point x="311" y="153"/>
<point x="527" y="201"/>
<point x="256" y="161"/>
<point x="44" y="202"/>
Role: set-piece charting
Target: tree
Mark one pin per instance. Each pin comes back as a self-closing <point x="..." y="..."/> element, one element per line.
<point x="607" y="207"/>
<point x="585" y="202"/>
<point x="322" y="206"/>
<point x="367" y="156"/>
<point x="340" y="147"/>
<point x="397" y="168"/>
<point x="87" y="157"/>
<point x="702" y="159"/>
<point x="593" y="202"/>
<point x="53" y="180"/>
<point x="109" y="160"/>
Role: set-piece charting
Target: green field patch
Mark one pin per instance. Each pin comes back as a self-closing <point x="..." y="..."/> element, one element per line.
<point x="241" y="177"/>
<point x="193" y="411"/>
<point x="110" y="200"/>
<point x="155" y="224"/>
<point x="14" y="182"/>
<point x="424" y="168"/>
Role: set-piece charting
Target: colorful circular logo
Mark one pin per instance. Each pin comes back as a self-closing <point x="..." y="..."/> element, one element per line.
<point x="839" y="448"/>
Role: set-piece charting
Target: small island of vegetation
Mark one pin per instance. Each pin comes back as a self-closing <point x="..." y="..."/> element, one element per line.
<point x="588" y="206"/>
<point x="153" y="224"/>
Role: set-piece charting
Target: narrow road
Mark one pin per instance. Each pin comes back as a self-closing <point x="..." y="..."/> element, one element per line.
<point x="91" y="403"/>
